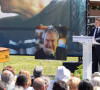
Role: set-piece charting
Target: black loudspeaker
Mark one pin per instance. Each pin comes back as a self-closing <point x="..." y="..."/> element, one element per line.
<point x="72" y="65"/>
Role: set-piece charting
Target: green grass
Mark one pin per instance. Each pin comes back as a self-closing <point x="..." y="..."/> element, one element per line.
<point x="29" y="63"/>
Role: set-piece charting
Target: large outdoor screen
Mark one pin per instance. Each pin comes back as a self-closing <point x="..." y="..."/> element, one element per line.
<point x="51" y="42"/>
<point x="17" y="32"/>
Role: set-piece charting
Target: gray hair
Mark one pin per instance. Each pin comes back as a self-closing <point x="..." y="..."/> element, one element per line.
<point x="7" y="76"/>
<point x="38" y="71"/>
<point x="18" y="88"/>
<point x="96" y="81"/>
<point x="51" y="29"/>
<point x="95" y="74"/>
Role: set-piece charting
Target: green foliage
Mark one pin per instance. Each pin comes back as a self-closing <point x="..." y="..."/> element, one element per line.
<point x="29" y="63"/>
<point x="96" y="7"/>
<point x="79" y="72"/>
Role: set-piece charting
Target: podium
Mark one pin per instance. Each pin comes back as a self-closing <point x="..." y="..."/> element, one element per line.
<point x="87" y="42"/>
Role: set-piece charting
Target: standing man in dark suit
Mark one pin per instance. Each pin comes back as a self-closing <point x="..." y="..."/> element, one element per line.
<point x="96" y="48"/>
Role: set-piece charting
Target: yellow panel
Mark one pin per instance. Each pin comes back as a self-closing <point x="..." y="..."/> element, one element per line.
<point x="4" y="56"/>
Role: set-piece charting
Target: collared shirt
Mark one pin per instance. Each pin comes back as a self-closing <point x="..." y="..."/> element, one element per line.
<point x="96" y="33"/>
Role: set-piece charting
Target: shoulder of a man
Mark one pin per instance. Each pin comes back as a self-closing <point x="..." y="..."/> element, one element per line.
<point x="92" y="31"/>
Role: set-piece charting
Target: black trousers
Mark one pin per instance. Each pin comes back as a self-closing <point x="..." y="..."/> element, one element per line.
<point x="95" y="58"/>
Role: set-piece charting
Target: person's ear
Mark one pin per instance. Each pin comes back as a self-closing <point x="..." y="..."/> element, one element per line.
<point x="5" y="89"/>
<point x="26" y="85"/>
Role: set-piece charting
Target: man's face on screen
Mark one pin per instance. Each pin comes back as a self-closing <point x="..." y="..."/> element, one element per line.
<point x="51" y="41"/>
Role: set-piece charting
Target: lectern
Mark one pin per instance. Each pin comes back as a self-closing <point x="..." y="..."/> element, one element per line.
<point x="87" y="42"/>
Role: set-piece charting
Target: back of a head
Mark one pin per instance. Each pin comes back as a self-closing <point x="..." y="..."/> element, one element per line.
<point x="96" y="74"/>
<point x="73" y="83"/>
<point x="60" y="85"/>
<point x="38" y="71"/>
<point x="2" y="85"/>
<point x="62" y="74"/>
<point x="38" y="83"/>
<point x="10" y="68"/>
<point x="25" y="72"/>
<point x="96" y="81"/>
<point x="22" y="80"/>
<point x="85" y="85"/>
<point x="7" y="76"/>
<point x="46" y="80"/>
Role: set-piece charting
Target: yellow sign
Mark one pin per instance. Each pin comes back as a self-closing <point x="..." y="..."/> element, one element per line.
<point x="4" y="55"/>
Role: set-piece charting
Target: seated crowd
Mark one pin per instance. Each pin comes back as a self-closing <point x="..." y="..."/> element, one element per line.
<point x="63" y="80"/>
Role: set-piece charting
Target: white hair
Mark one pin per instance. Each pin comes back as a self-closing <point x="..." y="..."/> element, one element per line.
<point x="8" y="77"/>
<point x="18" y="88"/>
<point x="96" y="81"/>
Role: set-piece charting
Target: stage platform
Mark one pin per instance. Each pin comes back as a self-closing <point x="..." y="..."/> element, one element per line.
<point x="72" y="65"/>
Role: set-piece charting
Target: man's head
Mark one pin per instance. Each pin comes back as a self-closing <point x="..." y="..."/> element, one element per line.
<point x="26" y="8"/>
<point x="22" y="81"/>
<point x="97" y="22"/>
<point x="39" y="84"/>
<point x="73" y="83"/>
<point x="51" y="38"/>
<point x="85" y="84"/>
<point x="38" y="71"/>
<point x="9" y="68"/>
<point x="7" y="76"/>
<point x="60" y="85"/>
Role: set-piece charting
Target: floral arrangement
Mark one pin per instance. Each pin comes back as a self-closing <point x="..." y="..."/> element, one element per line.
<point x="79" y="72"/>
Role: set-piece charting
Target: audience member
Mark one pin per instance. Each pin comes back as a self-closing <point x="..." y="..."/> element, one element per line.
<point x="22" y="81"/>
<point x="2" y="86"/>
<point x="38" y="71"/>
<point x="10" y="68"/>
<point x="24" y="72"/>
<point x="73" y="83"/>
<point x="61" y="74"/>
<point x="46" y="80"/>
<point x="96" y="88"/>
<point x="39" y="84"/>
<point x="8" y="78"/>
<point x="95" y="74"/>
<point x="85" y="85"/>
<point x="60" y="85"/>
<point x="96" y="81"/>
